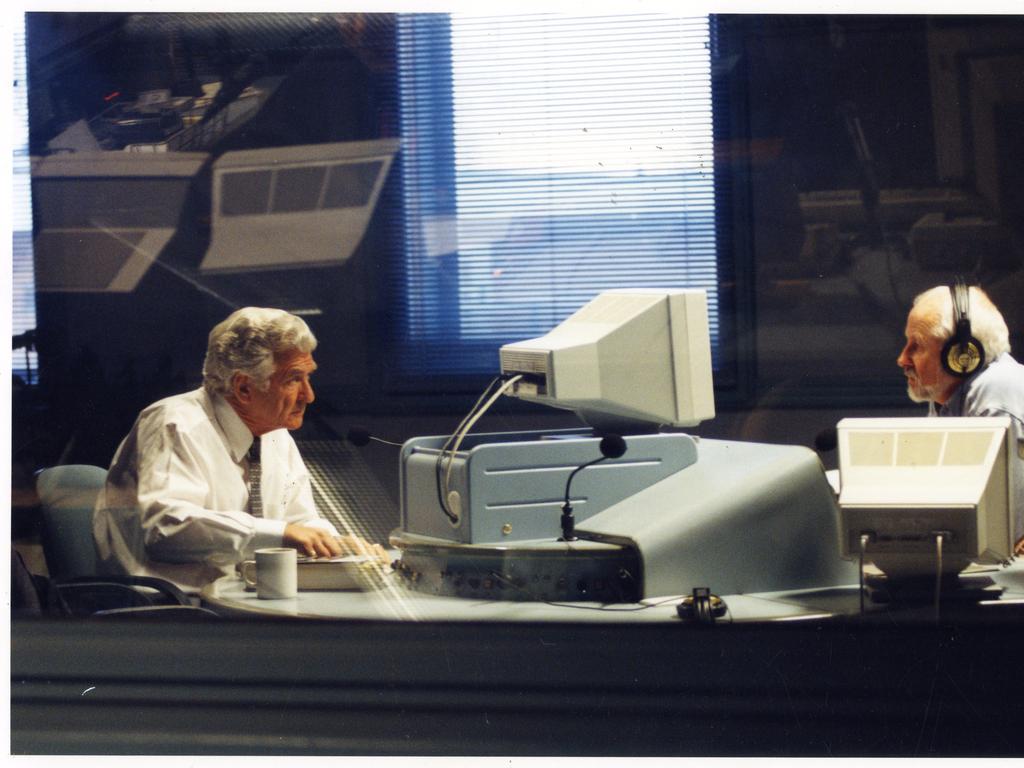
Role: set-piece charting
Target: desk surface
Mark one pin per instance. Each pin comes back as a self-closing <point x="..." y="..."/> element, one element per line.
<point x="228" y="596"/>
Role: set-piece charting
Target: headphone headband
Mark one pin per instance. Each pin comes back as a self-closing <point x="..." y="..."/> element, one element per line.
<point x="961" y="296"/>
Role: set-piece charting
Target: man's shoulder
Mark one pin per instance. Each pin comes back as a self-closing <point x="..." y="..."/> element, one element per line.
<point x="184" y="411"/>
<point x="999" y="387"/>
<point x="1004" y="373"/>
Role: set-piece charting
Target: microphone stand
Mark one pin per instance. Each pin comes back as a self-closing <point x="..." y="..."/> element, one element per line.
<point x="612" y="447"/>
<point x="567" y="520"/>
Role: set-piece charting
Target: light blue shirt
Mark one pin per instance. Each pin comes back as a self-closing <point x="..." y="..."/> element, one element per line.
<point x="996" y="390"/>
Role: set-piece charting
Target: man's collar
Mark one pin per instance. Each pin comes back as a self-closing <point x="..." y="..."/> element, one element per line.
<point x="238" y="435"/>
<point x="954" y="405"/>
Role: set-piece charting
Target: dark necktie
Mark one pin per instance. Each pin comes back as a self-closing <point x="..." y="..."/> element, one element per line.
<point x="255" y="496"/>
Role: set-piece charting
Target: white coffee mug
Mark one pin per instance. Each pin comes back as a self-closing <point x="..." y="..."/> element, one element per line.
<point x="276" y="573"/>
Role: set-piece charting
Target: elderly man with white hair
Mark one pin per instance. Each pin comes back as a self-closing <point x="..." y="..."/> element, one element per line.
<point x="976" y="378"/>
<point x="205" y="478"/>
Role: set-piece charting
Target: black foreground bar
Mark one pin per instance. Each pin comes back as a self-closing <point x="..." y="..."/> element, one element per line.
<point x="251" y="687"/>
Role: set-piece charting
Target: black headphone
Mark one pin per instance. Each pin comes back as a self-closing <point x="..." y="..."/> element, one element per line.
<point x="963" y="354"/>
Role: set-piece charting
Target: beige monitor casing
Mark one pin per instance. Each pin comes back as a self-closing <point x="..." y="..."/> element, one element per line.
<point x="903" y="480"/>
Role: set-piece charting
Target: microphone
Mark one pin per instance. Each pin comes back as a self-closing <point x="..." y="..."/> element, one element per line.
<point x="360" y="436"/>
<point x="826" y="440"/>
<point x="612" y="447"/>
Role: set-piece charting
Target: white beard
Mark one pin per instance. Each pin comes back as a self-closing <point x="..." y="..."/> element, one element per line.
<point x="920" y="394"/>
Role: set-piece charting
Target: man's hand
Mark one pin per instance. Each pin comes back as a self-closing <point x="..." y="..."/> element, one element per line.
<point x="313" y="542"/>
<point x="1018" y="548"/>
<point x="354" y="545"/>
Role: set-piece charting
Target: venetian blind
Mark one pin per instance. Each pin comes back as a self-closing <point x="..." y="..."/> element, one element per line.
<point x="23" y="299"/>
<point x="546" y="158"/>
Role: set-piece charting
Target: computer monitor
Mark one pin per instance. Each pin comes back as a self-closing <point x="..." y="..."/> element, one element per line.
<point x="628" y="361"/>
<point x="903" y="481"/>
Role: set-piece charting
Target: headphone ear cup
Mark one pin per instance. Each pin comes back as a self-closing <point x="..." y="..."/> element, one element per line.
<point x="963" y="354"/>
<point x="962" y="358"/>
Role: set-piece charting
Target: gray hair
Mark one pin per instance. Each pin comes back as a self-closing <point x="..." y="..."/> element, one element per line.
<point x="246" y="343"/>
<point x="935" y="307"/>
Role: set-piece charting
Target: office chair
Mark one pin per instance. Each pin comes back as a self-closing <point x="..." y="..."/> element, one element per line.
<point x="159" y="613"/>
<point x="89" y="595"/>
<point x="67" y="495"/>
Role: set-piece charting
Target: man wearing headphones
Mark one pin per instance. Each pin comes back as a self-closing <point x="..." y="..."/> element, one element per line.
<point x="957" y="359"/>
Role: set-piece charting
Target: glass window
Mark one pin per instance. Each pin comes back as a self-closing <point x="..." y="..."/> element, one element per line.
<point x="245" y="193"/>
<point x="298" y="189"/>
<point x="545" y="159"/>
<point x="351" y="185"/>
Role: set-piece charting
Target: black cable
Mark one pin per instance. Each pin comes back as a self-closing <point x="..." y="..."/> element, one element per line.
<point x="534" y="598"/>
<point x="863" y="545"/>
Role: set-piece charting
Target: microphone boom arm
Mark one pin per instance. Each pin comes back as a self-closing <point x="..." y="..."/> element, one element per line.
<point x="611" y="447"/>
<point x="567" y="519"/>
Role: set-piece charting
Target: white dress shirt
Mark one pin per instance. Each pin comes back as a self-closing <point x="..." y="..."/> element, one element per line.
<point x="176" y="497"/>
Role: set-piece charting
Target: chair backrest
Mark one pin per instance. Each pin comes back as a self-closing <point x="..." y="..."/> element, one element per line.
<point x="67" y="495"/>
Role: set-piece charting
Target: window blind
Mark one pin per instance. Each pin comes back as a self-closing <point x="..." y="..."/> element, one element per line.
<point x="546" y="158"/>
<point x="23" y="297"/>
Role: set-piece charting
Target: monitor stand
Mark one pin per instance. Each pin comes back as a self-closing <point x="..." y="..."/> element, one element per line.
<point x="953" y="588"/>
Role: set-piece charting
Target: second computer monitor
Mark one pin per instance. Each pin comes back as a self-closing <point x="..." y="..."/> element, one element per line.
<point x="630" y="360"/>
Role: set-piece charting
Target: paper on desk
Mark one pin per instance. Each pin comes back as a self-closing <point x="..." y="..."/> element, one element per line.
<point x="338" y="573"/>
<point x="337" y="559"/>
